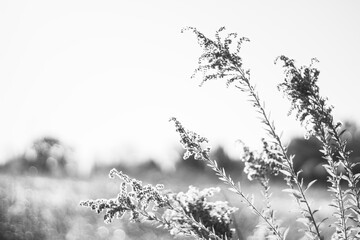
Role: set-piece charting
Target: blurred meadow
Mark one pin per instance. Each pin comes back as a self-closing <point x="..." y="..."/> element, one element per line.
<point x="43" y="207"/>
<point x="40" y="193"/>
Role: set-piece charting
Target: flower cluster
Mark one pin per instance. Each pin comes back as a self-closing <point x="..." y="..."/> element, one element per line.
<point x="191" y="142"/>
<point x="219" y="60"/>
<point x="213" y="215"/>
<point x="188" y="213"/>
<point x="261" y="165"/>
<point x="135" y="201"/>
<point x="300" y="86"/>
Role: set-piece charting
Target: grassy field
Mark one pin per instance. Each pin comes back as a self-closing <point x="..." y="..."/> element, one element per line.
<point x="34" y="207"/>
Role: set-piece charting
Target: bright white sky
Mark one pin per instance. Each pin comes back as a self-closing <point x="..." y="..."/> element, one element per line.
<point x="105" y="76"/>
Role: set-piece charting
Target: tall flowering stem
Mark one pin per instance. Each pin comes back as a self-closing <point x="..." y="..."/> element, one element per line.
<point x="221" y="60"/>
<point x="192" y="143"/>
<point x="312" y="110"/>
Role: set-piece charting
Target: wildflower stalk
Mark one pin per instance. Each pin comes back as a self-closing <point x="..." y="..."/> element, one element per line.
<point x="352" y="201"/>
<point x="300" y="86"/>
<point x="218" y="61"/>
<point x="338" y="201"/>
<point x="352" y="179"/>
<point x="192" y="144"/>
<point x="237" y="189"/>
<point x="288" y="170"/>
<point x="290" y="174"/>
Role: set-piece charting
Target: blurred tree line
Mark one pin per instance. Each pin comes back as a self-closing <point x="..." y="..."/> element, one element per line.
<point x="307" y="156"/>
<point x="50" y="156"/>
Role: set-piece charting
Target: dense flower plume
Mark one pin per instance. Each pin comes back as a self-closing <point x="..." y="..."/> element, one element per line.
<point x="213" y="215"/>
<point x="300" y="86"/>
<point x="221" y="57"/>
<point x="191" y="142"/>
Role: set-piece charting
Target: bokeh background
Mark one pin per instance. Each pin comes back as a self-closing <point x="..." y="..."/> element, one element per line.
<point x="86" y="86"/>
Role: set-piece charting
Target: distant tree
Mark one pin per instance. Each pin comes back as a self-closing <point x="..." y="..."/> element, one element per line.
<point x="50" y="155"/>
<point x="46" y="155"/>
<point x="224" y="161"/>
<point x="148" y="166"/>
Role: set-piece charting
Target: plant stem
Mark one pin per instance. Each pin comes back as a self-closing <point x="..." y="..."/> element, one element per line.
<point x="227" y="179"/>
<point x="348" y="167"/>
<point x="237" y="229"/>
<point x="273" y="134"/>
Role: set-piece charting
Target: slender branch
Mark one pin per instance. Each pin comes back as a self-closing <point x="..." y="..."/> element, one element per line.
<point x="301" y="88"/>
<point x="234" y="188"/>
<point x="236" y="225"/>
<point x="192" y="144"/>
<point x="284" y="154"/>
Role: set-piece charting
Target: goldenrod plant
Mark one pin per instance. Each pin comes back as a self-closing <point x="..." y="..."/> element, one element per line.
<point x="191" y="213"/>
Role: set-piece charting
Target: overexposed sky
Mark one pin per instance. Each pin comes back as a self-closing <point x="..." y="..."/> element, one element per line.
<point x="105" y="76"/>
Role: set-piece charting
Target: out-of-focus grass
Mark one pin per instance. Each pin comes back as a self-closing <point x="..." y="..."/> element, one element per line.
<point x="48" y="208"/>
